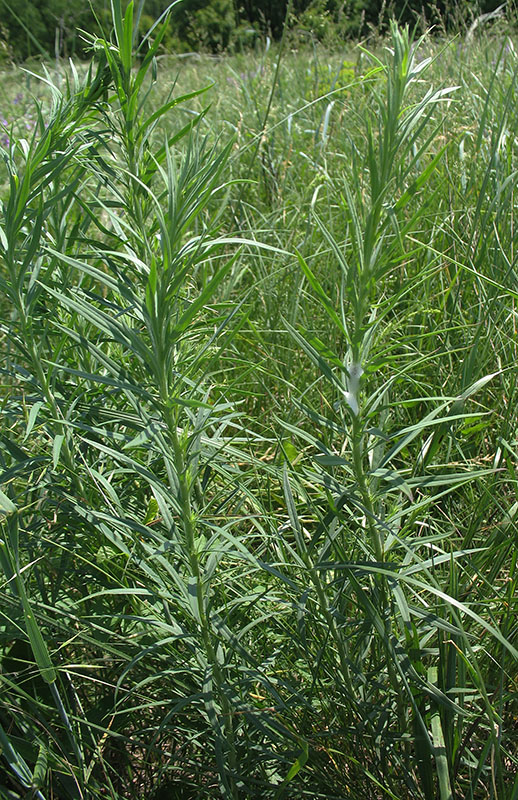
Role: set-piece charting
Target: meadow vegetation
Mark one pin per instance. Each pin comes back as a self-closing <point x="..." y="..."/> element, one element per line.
<point x="258" y="442"/>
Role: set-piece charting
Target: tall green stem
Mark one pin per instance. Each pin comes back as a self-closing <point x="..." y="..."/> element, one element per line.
<point x="189" y="530"/>
<point x="359" y="474"/>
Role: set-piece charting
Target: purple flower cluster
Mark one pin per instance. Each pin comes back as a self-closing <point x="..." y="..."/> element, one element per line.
<point x="4" y="138"/>
<point x="247" y="77"/>
<point x="6" y="125"/>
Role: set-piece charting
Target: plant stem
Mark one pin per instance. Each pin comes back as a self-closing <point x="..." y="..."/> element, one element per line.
<point x="359" y="473"/>
<point x="188" y="525"/>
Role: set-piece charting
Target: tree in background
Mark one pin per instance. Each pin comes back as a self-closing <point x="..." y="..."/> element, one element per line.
<point x="49" y="27"/>
<point x="357" y="17"/>
<point x="201" y="25"/>
<point x="37" y="27"/>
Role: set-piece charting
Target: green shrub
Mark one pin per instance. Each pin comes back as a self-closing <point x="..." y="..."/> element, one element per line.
<point x="324" y="78"/>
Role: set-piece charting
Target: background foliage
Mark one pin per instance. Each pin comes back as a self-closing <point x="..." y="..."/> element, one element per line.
<point x="33" y="27"/>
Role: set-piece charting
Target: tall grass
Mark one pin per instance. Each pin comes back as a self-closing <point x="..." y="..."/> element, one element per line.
<point x="258" y="445"/>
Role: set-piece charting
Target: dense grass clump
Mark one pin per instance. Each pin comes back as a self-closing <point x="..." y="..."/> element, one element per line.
<point x="258" y="444"/>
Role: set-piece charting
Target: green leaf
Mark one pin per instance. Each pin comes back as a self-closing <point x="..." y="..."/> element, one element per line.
<point x="15" y="761"/>
<point x="160" y="112"/>
<point x="327" y="304"/>
<point x="6" y="505"/>
<point x="292" y="512"/>
<point x="117" y="21"/>
<point x="32" y="417"/>
<point x="38" y="645"/>
<point x="151" y="511"/>
<point x="40" y="769"/>
<point x="126" y="45"/>
<point x="204" y="296"/>
<point x="295" y="768"/>
<point x="56" y="448"/>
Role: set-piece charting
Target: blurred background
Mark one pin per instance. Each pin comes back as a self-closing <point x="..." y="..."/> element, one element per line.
<point x="32" y="28"/>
